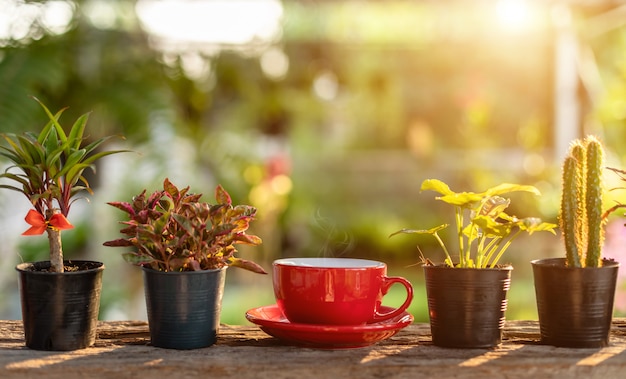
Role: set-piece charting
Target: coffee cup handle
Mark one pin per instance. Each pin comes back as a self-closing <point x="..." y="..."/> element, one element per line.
<point x="388" y="281"/>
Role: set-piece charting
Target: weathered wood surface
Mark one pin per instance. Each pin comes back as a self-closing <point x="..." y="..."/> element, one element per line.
<point x="122" y="350"/>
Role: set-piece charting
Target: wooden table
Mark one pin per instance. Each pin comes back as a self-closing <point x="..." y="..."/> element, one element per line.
<point x="122" y="351"/>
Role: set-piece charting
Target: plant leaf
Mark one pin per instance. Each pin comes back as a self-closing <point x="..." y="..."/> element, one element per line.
<point x="436" y="185"/>
<point x="247" y="239"/>
<point x="533" y="224"/>
<point x="491" y="227"/>
<point x="222" y="196"/>
<point x="508" y="188"/>
<point x="54" y="119"/>
<point x="136" y="259"/>
<point x="420" y="231"/>
<point x="78" y="129"/>
<point x="246" y="265"/>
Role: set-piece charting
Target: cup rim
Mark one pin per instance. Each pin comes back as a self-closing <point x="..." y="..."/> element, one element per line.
<point x="329" y="262"/>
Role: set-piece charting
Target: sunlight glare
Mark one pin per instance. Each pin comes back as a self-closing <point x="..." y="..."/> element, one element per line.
<point x="326" y="85"/>
<point x="534" y="164"/>
<point x="195" y="66"/>
<point x="100" y="13"/>
<point x="275" y="63"/>
<point x="211" y="21"/>
<point x="282" y="184"/>
<point x="56" y="16"/>
<point x="514" y="15"/>
<point x="17" y="18"/>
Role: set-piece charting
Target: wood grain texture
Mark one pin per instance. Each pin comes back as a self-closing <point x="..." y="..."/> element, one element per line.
<point x="123" y="350"/>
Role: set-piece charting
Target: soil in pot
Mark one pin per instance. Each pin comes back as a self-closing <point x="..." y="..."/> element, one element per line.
<point x="60" y="310"/>
<point x="575" y="305"/>
<point x="467" y="305"/>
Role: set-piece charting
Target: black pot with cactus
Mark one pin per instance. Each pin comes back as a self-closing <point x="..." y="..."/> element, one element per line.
<point x="575" y="294"/>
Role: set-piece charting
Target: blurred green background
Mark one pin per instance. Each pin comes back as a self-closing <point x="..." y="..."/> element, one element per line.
<point x="326" y="115"/>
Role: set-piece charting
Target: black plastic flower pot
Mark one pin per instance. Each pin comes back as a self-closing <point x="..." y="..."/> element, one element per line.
<point x="574" y="305"/>
<point x="467" y="305"/>
<point x="60" y="310"/>
<point x="184" y="307"/>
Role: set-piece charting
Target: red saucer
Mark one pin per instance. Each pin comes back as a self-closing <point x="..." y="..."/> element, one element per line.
<point x="272" y="321"/>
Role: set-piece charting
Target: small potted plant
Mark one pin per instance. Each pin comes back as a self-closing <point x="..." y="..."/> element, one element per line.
<point x="467" y="294"/>
<point x="60" y="298"/>
<point x="184" y="246"/>
<point x="575" y="294"/>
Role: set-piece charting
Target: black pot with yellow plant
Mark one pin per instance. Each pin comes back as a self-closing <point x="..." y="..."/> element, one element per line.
<point x="467" y="295"/>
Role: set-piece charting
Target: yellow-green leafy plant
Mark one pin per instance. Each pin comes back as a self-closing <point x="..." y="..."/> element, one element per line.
<point x="483" y="228"/>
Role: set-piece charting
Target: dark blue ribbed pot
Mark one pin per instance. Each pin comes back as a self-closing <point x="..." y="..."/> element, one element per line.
<point x="60" y="310"/>
<point x="574" y="305"/>
<point x="184" y="307"/>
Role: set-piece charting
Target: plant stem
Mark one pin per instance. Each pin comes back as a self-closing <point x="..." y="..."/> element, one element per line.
<point x="480" y="251"/>
<point x="593" y="203"/>
<point x="459" y="223"/>
<point x="504" y="248"/>
<point x="491" y="248"/>
<point x="570" y="219"/>
<point x="444" y="248"/>
<point x="56" y="252"/>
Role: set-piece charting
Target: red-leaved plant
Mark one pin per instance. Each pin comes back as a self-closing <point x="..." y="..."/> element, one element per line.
<point x="172" y="230"/>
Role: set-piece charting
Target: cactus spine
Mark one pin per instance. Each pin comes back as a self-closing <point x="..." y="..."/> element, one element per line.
<point x="581" y="203"/>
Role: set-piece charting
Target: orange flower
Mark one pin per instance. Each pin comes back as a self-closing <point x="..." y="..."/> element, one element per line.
<point x="39" y="224"/>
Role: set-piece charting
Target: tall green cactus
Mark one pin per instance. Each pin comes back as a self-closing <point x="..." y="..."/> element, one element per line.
<point x="581" y="203"/>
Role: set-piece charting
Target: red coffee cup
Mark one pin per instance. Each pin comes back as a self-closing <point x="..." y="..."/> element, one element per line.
<point x="334" y="291"/>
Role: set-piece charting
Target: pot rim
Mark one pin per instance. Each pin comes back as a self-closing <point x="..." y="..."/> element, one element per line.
<point x="443" y="266"/>
<point x="560" y="263"/>
<point x="172" y="273"/>
<point x="25" y="267"/>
